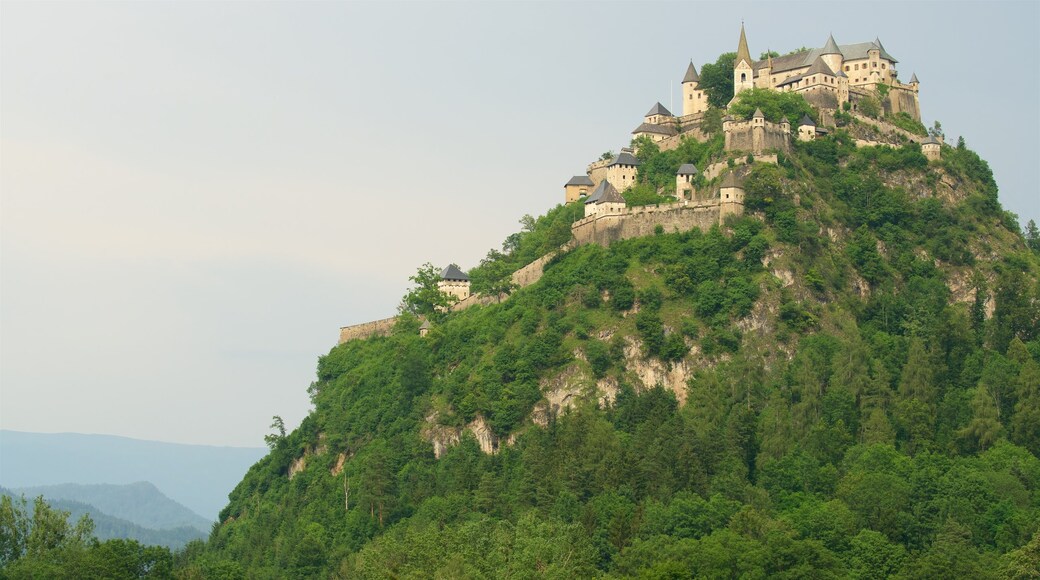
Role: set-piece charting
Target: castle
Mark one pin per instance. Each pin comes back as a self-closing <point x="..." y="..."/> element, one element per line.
<point x="833" y="79"/>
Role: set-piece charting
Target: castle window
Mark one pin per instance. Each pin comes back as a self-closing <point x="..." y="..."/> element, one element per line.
<point x="874" y="64"/>
<point x="882" y="65"/>
<point x="743" y="77"/>
<point x="857" y="66"/>
<point x="846" y="68"/>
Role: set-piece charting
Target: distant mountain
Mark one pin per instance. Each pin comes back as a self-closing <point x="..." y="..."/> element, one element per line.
<point x="138" y="503"/>
<point x="107" y="527"/>
<point x="197" y="476"/>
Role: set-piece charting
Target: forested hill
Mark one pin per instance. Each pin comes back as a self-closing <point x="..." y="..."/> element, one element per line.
<point x="842" y="383"/>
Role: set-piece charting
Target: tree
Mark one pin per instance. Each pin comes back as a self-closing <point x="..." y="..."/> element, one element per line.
<point x="1032" y="235"/>
<point x="717" y="80"/>
<point x="275" y="439"/>
<point x="984" y="428"/>
<point x="425" y="298"/>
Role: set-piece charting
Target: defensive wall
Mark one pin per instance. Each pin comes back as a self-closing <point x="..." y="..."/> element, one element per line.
<point x="610" y="226"/>
<point x="366" y="329"/>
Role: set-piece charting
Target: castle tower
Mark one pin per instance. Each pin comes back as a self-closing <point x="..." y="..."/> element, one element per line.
<point x="931" y="148"/>
<point x="454" y="282"/>
<point x="579" y="186"/>
<point x="658" y="115"/>
<point x="731" y="197"/>
<point x="605" y="199"/>
<point x="684" y="181"/>
<point x="758" y="131"/>
<point x="694" y="100"/>
<point x="743" y="73"/>
<point x="914" y="83"/>
<point x="831" y="54"/>
<point x="806" y="129"/>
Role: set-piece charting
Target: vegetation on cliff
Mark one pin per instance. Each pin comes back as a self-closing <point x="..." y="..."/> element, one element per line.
<point x="846" y="386"/>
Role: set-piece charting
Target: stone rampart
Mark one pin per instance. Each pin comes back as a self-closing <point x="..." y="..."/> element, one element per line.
<point x="366" y="329"/>
<point x="755" y="138"/>
<point x="608" y="227"/>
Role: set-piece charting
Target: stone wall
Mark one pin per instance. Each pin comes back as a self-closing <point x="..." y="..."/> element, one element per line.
<point x="366" y="329"/>
<point x="746" y="136"/>
<point x="605" y="228"/>
<point x="902" y="100"/>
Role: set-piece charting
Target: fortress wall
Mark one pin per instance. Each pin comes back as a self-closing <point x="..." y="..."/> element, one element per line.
<point x="532" y="272"/>
<point x="902" y="100"/>
<point x="822" y="97"/>
<point x="603" y="229"/>
<point x="366" y="329"/>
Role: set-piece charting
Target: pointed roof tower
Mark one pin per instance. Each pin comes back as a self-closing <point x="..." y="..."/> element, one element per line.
<point x="687" y="169"/>
<point x="758" y="114"/>
<point x="453" y="273"/>
<point x="881" y="48"/>
<point x="913" y="79"/>
<point x="691" y="75"/>
<point x="603" y="189"/>
<point x="658" y="109"/>
<point x="742" y="50"/>
<point x="831" y="47"/>
<point x="806" y="121"/>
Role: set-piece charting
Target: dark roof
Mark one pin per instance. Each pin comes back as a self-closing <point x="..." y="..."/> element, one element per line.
<point x="624" y="158"/>
<point x="691" y="74"/>
<point x="806" y="121"/>
<point x="807" y="57"/>
<point x="819" y="67"/>
<point x="742" y="49"/>
<point x="913" y="79"/>
<point x="931" y="140"/>
<point x="610" y="195"/>
<point x="659" y="129"/>
<point x="790" y="80"/>
<point x="831" y="47"/>
<point x="658" y="109"/>
<point x="602" y="189"/>
<point x="452" y="272"/>
<point x="758" y="113"/>
<point x="687" y="169"/>
<point x="580" y="180"/>
<point x="731" y="180"/>
<point x="881" y="48"/>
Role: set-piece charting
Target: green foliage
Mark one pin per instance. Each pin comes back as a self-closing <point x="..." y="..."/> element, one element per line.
<point x="658" y="168"/>
<point x="717" y="80"/>
<point x="45" y="545"/>
<point x="423" y="299"/>
<point x="844" y="416"/>
<point x="775" y="106"/>
<point x="904" y="121"/>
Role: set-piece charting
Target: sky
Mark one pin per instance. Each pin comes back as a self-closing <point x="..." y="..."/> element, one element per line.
<point x="195" y="196"/>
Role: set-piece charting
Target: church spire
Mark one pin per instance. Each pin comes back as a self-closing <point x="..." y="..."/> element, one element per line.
<point x="742" y="49"/>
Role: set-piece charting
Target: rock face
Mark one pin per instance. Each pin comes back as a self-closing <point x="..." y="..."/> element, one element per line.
<point x="485" y="437"/>
<point x="654" y="372"/>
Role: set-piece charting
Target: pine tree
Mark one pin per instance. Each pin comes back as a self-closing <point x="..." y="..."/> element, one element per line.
<point x="984" y="428"/>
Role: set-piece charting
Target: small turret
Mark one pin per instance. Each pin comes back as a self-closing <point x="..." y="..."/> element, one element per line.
<point x="914" y="83"/>
<point x="657" y="115"/>
<point x="684" y="181"/>
<point x="932" y="148"/>
<point x="806" y="129"/>
<point x="731" y="197"/>
<point x="758" y="119"/>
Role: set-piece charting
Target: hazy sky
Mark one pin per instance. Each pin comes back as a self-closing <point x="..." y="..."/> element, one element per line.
<point x="196" y="196"/>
